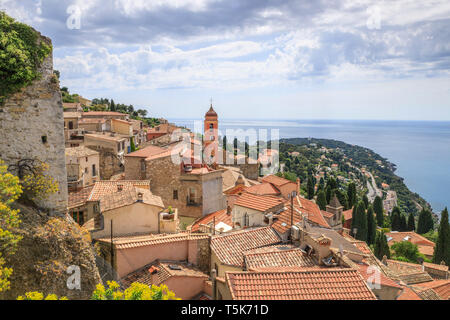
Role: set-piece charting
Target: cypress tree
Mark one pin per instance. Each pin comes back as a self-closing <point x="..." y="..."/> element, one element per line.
<point x="321" y="185"/>
<point x="366" y="201"/>
<point x="425" y="222"/>
<point x="112" y="106"/>
<point x="381" y="247"/>
<point x="310" y="188"/>
<point x="378" y="209"/>
<point x="342" y="197"/>
<point x="322" y="200"/>
<point x="395" y="219"/>
<point x="411" y="222"/>
<point x="351" y="194"/>
<point x="328" y="193"/>
<point x="360" y="222"/>
<point x="403" y="223"/>
<point x="442" y="249"/>
<point x="371" y="226"/>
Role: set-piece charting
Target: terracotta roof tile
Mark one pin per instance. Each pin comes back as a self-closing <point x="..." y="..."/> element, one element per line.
<point x="129" y="195"/>
<point x="408" y="294"/>
<point x="80" y="151"/>
<point x="277" y="256"/>
<point x="368" y="274"/>
<point x="258" y="202"/>
<point x="441" y="287"/>
<point x="263" y="189"/>
<point x="409" y="273"/>
<point x="104" y="187"/>
<point x="313" y="284"/>
<point x="128" y="242"/>
<point x="439" y="267"/>
<point x="348" y="214"/>
<point x="230" y="247"/>
<point x="276" y="181"/>
<point x="79" y="198"/>
<point x="412" y="236"/>
<point x="219" y="216"/>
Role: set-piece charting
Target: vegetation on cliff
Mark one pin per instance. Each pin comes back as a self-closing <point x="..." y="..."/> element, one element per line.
<point x="21" y="53"/>
<point x="303" y="156"/>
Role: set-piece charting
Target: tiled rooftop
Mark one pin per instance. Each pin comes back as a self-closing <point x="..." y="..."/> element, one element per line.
<point x="411" y="236"/>
<point x="264" y="189"/>
<point x="409" y="273"/>
<point x="104" y="187"/>
<point x="276" y="181"/>
<point x="218" y="216"/>
<point x="107" y="136"/>
<point x="129" y="195"/>
<point x="435" y="266"/>
<point x="303" y="207"/>
<point x="441" y="287"/>
<point x="312" y="284"/>
<point x="79" y="198"/>
<point x="368" y="273"/>
<point x="257" y="202"/>
<point x="348" y="214"/>
<point x="230" y="247"/>
<point x="152" y="239"/>
<point x="277" y="256"/>
<point x="80" y="151"/>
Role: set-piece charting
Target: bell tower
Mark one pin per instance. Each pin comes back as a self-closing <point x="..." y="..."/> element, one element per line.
<point x="211" y="135"/>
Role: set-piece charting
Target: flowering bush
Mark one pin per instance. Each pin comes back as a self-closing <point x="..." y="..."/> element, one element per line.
<point x="137" y="291"/>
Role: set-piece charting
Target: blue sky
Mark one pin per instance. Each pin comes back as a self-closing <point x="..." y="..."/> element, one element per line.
<point x="263" y="59"/>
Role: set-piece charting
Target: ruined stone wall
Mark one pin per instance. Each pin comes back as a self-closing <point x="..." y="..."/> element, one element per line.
<point x="32" y="127"/>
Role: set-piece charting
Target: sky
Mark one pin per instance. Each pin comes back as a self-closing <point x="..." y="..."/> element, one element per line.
<point x="260" y="59"/>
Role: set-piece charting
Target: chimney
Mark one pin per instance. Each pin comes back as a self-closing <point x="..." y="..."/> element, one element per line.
<point x="214" y="283"/>
<point x="140" y="196"/>
<point x="322" y="247"/>
<point x="298" y="184"/>
<point x="229" y="210"/>
<point x="153" y="270"/>
<point x="384" y="260"/>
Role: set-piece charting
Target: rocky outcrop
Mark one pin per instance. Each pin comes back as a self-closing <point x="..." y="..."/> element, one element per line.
<point x="51" y="245"/>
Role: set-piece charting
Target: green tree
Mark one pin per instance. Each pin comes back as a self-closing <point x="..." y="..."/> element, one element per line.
<point x="322" y="200"/>
<point x="359" y="222"/>
<point x="381" y="248"/>
<point x="20" y="55"/>
<point x="310" y="187"/>
<point x="425" y="222"/>
<point x="328" y="193"/>
<point x="403" y="223"/>
<point x="371" y="226"/>
<point x="366" y="201"/>
<point x="405" y="250"/>
<point x="351" y="194"/>
<point x="442" y="249"/>
<point x="132" y="145"/>
<point x="411" y="222"/>
<point x="10" y="191"/>
<point x="342" y="197"/>
<point x="395" y="219"/>
<point x="112" y="106"/>
<point x="378" y="209"/>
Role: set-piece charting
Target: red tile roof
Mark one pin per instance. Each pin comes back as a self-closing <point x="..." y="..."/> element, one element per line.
<point x="348" y="214"/>
<point x="276" y="181"/>
<point x="368" y="275"/>
<point x="147" y="152"/>
<point x="264" y="189"/>
<point x="413" y="238"/>
<point x="312" y="284"/>
<point x="104" y="187"/>
<point x="439" y="267"/>
<point x="408" y="294"/>
<point x="308" y="208"/>
<point x="257" y="202"/>
<point x="229" y="247"/>
<point x="128" y="242"/>
<point x="327" y="214"/>
<point x="441" y="287"/>
<point x="219" y="216"/>
<point x="277" y="256"/>
<point x="79" y="198"/>
<point x="236" y="190"/>
<point x="103" y="113"/>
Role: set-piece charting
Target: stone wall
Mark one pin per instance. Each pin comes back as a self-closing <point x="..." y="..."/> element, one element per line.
<point x="32" y="127"/>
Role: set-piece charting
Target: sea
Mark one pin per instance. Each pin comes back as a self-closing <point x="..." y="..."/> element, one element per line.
<point x="419" y="149"/>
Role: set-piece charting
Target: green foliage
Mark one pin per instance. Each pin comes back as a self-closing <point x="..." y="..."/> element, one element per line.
<point x="359" y="222"/>
<point x="366" y="201"/>
<point x="398" y="220"/>
<point x="137" y="291"/>
<point x="431" y="235"/>
<point x="21" y="54"/>
<point x="322" y="200"/>
<point x="10" y="191"/>
<point x="371" y="226"/>
<point x="379" y="211"/>
<point x="351" y="194"/>
<point x="442" y="249"/>
<point x="425" y="222"/>
<point x="310" y="188"/>
<point x="406" y="250"/>
<point x="411" y="222"/>
<point x="132" y="145"/>
<point x="381" y="247"/>
<point x="342" y="197"/>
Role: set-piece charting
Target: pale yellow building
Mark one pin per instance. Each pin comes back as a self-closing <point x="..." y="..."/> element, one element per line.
<point x="82" y="167"/>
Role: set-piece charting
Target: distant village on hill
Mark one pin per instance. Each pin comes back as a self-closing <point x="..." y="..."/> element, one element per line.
<point x="123" y="197"/>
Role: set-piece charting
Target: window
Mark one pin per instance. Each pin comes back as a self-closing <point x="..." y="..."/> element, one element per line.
<point x="123" y="145"/>
<point x="175" y="194"/>
<point x="70" y="125"/>
<point x="86" y="170"/>
<point x="44" y="139"/>
<point x="78" y="217"/>
<point x="94" y="171"/>
<point x="118" y="147"/>
<point x="87" y="159"/>
<point x="212" y="138"/>
<point x="142" y="165"/>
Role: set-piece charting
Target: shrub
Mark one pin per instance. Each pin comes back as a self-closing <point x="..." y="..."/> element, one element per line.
<point x="137" y="291"/>
<point x="39" y="296"/>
